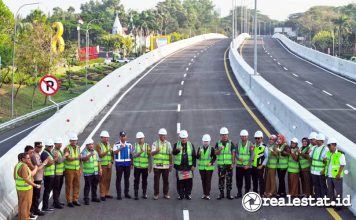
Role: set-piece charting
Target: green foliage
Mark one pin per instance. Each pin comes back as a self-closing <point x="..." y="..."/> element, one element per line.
<point x="175" y="36"/>
<point x="323" y="40"/>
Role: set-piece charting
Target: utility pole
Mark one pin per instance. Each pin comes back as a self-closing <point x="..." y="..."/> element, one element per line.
<point x="241" y="18"/>
<point x="255" y="40"/>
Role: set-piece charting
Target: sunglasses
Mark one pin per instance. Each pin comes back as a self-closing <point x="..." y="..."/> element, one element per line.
<point x="259" y="138"/>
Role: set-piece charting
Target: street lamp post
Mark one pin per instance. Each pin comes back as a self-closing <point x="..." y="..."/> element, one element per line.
<point x="87" y="50"/>
<point x="255" y="40"/>
<point x="13" y="56"/>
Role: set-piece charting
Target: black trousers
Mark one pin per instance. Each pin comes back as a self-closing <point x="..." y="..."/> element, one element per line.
<point x="36" y="197"/>
<point x="281" y="181"/>
<point x="206" y="180"/>
<point x="257" y="180"/>
<point x="119" y="172"/>
<point x="241" y="174"/>
<point x="91" y="184"/>
<point x="48" y="182"/>
<point x="138" y="172"/>
<point x="165" y="176"/>
<point x="184" y="187"/>
<point x="57" y="187"/>
<point x="334" y="188"/>
<point x="319" y="185"/>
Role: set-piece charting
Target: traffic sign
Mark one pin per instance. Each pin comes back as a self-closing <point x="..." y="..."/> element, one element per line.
<point x="49" y="85"/>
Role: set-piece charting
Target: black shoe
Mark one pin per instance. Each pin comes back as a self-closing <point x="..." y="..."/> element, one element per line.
<point x="221" y="196"/>
<point x="109" y="197"/>
<point x="103" y="198"/>
<point x="238" y="195"/>
<point x="180" y="197"/>
<point x="39" y="213"/>
<point x="119" y="198"/>
<point x="188" y="197"/>
<point x="228" y="196"/>
<point x="33" y="217"/>
<point x="144" y="196"/>
<point x="127" y="196"/>
<point x="61" y="203"/>
<point x="57" y="206"/>
<point x="95" y="200"/>
<point x="70" y="205"/>
<point x="47" y="210"/>
<point x="86" y="202"/>
<point x="76" y="203"/>
<point x="136" y="198"/>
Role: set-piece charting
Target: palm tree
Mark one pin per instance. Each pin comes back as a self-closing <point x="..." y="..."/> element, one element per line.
<point x="341" y="23"/>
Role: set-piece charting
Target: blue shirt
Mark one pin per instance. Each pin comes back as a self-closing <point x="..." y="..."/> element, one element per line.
<point x="124" y="157"/>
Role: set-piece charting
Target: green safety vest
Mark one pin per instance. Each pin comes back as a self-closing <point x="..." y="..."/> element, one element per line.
<point x="205" y="159"/>
<point x="282" y="160"/>
<point x="335" y="163"/>
<point x="142" y="160"/>
<point x="258" y="153"/>
<point x="225" y="156"/>
<point x="162" y="158"/>
<point x="244" y="153"/>
<point x="317" y="161"/>
<point x="59" y="166"/>
<point x="75" y="164"/>
<point x="272" y="161"/>
<point x="21" y="184"/>
<point x="107" y="159"/>
<point x="178" y="157"/>
<point x="49" y="170"/>
<point x="91" y="166"/>
<point x="304" y="163"/>
<point x="293" y="166"/>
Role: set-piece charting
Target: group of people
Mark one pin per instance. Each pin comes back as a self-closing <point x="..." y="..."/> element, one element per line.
<point x="318" y="167"/>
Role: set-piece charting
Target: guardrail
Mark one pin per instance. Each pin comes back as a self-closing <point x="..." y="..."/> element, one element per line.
<point x="342" y="67"/>
<point x="31" y="115"/>
<point x="287" y="116"/>
<point x="76" y="115"/>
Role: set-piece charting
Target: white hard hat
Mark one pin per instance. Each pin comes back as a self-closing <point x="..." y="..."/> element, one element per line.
<point x="183" y="134"/>
<point x="294" y="140"/>
<point x="244" y="133"/>
<point x="224" y="130"/>
<point x="89" y="141"/>
<point x="332" y="141"/>
<point x="73" y="137"/>
<point x="320" y="137"/>
<point x="258" y="134"/>
<point x="139" y="135"/>
<point x="104" y="134"/>
<point x="58" y="140"/>
<point x="162" y="131"/>
<point x="49" y="142"/>
<point x="206" y="137"/>
<point x="312" y="135"/>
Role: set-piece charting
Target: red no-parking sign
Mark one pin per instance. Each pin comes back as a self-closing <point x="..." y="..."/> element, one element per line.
<point x="49" y="85"/>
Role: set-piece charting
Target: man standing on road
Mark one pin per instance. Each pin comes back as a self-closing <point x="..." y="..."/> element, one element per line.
<point x="184" y="163"/>
<point x="58" y="178"/>
<point x="72" y="171"/>
<point x="49" y="172"/>
<point x="123" y="163"/>
<point x="225" y="153"/>
<point x="244" y="160"/>
<point x="162" y="163"/>
<point x="259" y="163"/>
<point x="104" y="150"/>
<point x="142" y="164"/>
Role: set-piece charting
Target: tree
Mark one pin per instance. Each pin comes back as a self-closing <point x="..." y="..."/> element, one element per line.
<point x="323" y="40"/>
<point x="341" y="22"/>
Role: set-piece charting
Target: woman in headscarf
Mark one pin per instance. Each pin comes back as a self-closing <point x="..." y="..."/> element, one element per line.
<point x="305" y="164"/>
<point x="271" y="187"/>
<point x="293" y="169"/>
<point x="283" y="149"/>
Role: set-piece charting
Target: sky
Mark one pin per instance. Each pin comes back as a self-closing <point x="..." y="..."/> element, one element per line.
<point x="275" y="9"/>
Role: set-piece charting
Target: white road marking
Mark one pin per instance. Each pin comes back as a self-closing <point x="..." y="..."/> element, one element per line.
<point x="279" y="63"/>
<point x="14" y="135"/>
<point x="351" y="106"/>
<point x="274" y="59"/>
<point x="178" y="108"/>
<point x="182" y="83"/>
<point x="328" y="93"/>
<point x="178" y="128"/>
<point x="309" y="82"/>
<point x="267" y="53"/>
<point x="271" y="56"/>
<point x="285" y="68"/>
<point x="189" y="64"/>
<point x="192" y="60"/>
<point x="185" y="75"/>
<point x="187" y="69"/>
<point x="295" y="75"/>
<point x="180" y="93"/>
<point x="185" y="215"/>
<point x="195" y="56"/>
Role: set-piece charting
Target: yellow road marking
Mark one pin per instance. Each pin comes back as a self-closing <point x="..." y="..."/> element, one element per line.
<point x="331" y="211"/>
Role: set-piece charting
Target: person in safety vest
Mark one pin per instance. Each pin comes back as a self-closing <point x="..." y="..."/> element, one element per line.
<point x="225" y="154"/>
<point x="317" y="156"/>
<point x="48" y="173"/>
<point x="123" y="162"/>
<point x="207" y="158"/>
<point x="184" y="163"/>
<point x="72" y="171"/>
<point x="334" y="170"/>
<point x="312" y="139"/>
<point x="58" y="175"/>
<point x="162" y="163"/>
<point x="244" y="160"/>
<point x="271" y="186"/>
<point x="293" y="169"/>
<point x="91" y="170"/>
<point x="259" y="162"/>
<point x="106" y="155"/>
<point x="23" y="177"/>
<point x="282" y="165"/>
<point x="142" y="164"/>
<point x="305" y="164"/>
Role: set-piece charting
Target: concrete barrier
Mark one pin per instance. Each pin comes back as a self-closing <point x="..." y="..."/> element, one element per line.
<point x="342" y="67"/>
<point x="287" y="116"/>
<point x="76" y="115"/>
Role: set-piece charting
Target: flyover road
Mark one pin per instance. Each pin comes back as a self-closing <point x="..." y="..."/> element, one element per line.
<point x="190" y="87"/>
<point x="328" y="96"/>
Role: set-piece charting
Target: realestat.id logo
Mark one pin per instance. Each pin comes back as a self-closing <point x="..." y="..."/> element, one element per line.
<point x="252" y="202"/>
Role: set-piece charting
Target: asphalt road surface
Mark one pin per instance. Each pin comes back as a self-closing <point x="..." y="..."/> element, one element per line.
<point x="328" y="96"/>
<point x="207" y="102"/>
